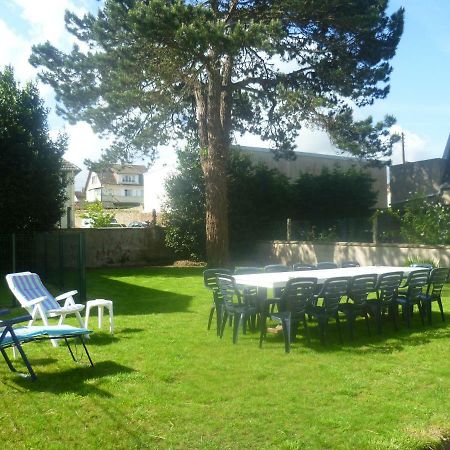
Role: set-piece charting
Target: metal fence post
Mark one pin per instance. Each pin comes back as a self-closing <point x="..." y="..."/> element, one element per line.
<point x="61" y="261"/>
<point x="82" y="266"/>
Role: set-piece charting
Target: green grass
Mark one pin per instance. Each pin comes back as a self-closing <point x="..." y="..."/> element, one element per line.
<point x="164" y="381"/>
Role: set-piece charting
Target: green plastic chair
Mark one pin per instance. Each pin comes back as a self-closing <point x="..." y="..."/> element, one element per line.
<point x="301" y="266"/>
<point x="331" y="294"/>
<point x="326" y="265"/>
<point x="356" y="306"/>
<point x="233" y="305"/>
<point x="247" y="270"/>
<point x="292" y="305"/>
<point x="412" y="294"/>
<point x="438" y="277"/>
<point x="350" y="264"/>
<point x="210" y="282"/>
<point x="386" y="291"/>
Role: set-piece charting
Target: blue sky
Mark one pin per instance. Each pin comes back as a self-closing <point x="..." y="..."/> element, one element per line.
<point x="420" y="83"/>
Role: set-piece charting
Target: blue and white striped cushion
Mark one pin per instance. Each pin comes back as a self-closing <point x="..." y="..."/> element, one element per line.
<point x="30" y="286"/>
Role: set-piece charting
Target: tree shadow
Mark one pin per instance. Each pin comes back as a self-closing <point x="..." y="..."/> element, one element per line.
<point x="130" y="299"/>
<point x="389" y="341"/>
<point x="73" y="380"/>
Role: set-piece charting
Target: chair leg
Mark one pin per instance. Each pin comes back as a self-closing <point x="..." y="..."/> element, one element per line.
<point x="263" y="329"/>
<point x="219" y="318"/>
<point x="338" y="325"/>
<point x="366" y="317"/>
<point x="351" y="322"/>
<point x="305" y="324"/>
<point x="394" y="314"/>
<point x="286" y="324"/>
<point x="323" y="325"/>
<point x="237" y="322"/>
<point x="224" y="322"/>
<point x="211" y="314"/>
<point x="441" y="309"/>
<point x="421" y="312"/>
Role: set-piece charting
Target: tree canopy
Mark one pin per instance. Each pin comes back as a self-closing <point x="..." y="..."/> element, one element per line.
<point x="151" y="70"/>
<point x="32" y="182"/>
<point x="260" y="201"/>
<point x="337" y="194"/>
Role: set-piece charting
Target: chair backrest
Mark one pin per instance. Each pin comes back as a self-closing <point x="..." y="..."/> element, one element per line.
<point x="227" y="290"/>
<point x="210" y="277"/>
<point x="438" y="277"/>
<point x="277" y="268"/>
<point x="297" y="295"/>
<point x="360" y="287"/>
<point x="332" y="291"/>
<point x="426" y="265"/>
<point x="387" y="286"/>
<point x="416" y="281"/>
<point x="301" y="266"/>
<point x="27" y="286"/>
<point x="326" y="265"/>
<point x="350" y="264"/>
<point x="243" y="270"/>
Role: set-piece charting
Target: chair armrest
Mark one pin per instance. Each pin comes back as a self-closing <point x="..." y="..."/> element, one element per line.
<point x="14" y="320"/>
<point x="37" y="300"/>
<point x="66" y="295"/>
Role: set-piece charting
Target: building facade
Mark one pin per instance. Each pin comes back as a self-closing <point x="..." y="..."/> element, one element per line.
<point x="117" y="186"/>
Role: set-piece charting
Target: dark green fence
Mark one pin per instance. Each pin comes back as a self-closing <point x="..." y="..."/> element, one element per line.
<point x="58" y="257"/>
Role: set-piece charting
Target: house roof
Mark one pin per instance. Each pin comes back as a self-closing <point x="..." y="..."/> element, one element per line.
<point x="132" y="169"/>
<point x="69" y="167"/>
<point x="107" y="175"/>
<point x="298" y="153"/>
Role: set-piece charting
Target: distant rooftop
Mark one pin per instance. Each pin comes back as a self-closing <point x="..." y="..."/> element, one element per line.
<point x="298" y="153"/>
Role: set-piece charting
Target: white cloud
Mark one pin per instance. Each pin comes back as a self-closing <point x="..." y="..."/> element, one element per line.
<point x="309" y="140"/>
<point x="83" y="144"/>
<point x="15" y="51"/>
<point x="416" y="147"/>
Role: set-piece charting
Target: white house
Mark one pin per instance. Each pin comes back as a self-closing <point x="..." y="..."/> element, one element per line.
<point x="117" y="186"/>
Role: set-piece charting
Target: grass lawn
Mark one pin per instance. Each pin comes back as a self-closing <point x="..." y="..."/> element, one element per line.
<point x="164" y="381"/>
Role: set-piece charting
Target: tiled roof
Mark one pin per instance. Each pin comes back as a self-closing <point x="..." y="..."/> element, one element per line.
<point x="69" y="167"/>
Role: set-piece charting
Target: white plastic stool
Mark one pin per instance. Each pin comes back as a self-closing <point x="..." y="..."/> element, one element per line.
<point x="100" y="303"/>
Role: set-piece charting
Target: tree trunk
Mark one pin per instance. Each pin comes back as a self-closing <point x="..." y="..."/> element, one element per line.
<point x="214" y="158"/>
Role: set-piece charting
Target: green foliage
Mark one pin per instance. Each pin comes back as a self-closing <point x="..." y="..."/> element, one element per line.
<point x="418" y="260"/>
<point x="184" y="210"/>
<point x="425" y="222"/>
<point x="147" y="61"/>
<point x="333" y="194"/>
<point x="258" y="203"/>
<point x="98" y="216"/>
<point x="32" y="181"/>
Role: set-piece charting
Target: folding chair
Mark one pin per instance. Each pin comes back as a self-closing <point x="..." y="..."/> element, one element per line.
<point x="16" y="336"/>
<point x="32" y="295"/>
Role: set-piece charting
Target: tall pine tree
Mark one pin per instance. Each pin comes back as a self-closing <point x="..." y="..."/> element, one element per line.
<point x="151" y="70"/>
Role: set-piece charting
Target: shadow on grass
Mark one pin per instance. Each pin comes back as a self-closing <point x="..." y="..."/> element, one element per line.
<point x="389" y="341"/>
<point x="73" y="380"/>
<point x="131" y="299"/>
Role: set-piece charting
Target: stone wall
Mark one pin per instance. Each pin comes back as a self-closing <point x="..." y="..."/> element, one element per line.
<point x="109" y="247"/>
<point x="366" y="254"/>
<point x="124" y="216"/>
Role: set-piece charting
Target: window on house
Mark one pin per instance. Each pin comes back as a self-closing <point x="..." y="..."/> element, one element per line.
<point x="128" y="178"/>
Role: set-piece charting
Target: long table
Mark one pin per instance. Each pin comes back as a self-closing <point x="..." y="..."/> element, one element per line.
<point x="279" y="279"/>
